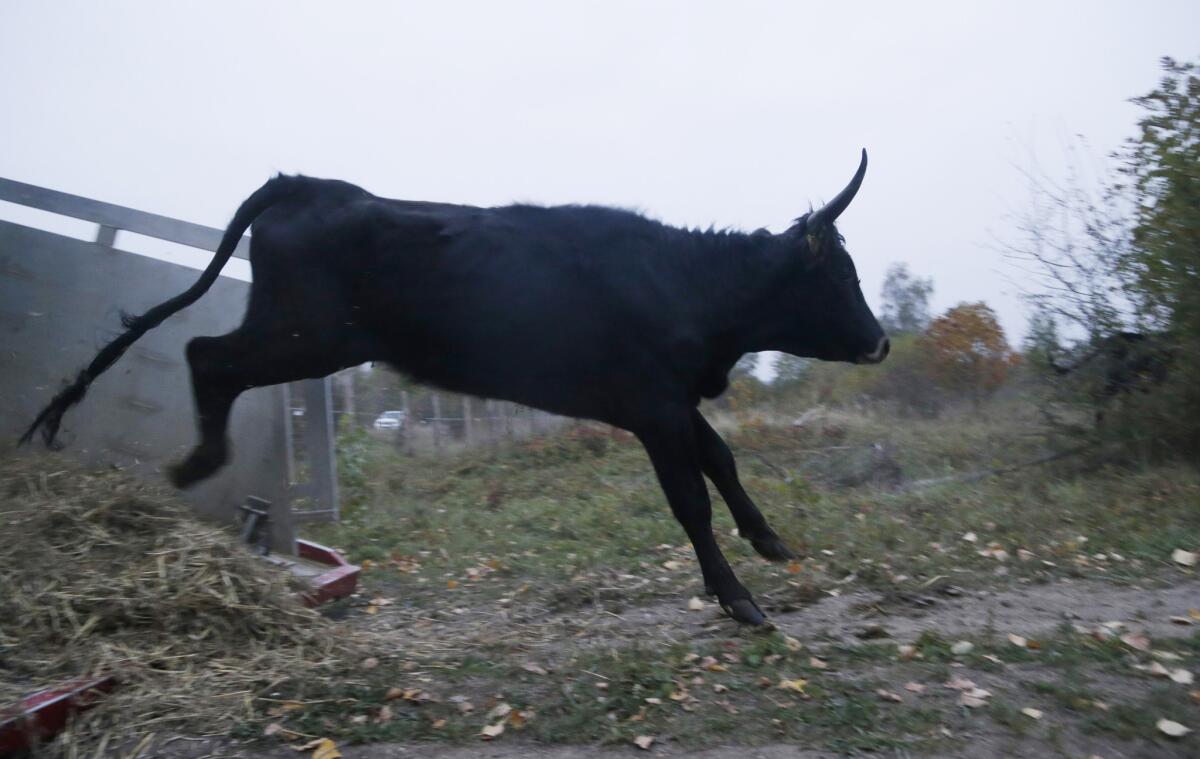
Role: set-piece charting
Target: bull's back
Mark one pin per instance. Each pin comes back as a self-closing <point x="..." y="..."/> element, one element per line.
<point x="530" y="305"/>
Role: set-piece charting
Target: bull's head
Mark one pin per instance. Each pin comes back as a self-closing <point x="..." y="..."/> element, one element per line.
<point x="835" y="322"/>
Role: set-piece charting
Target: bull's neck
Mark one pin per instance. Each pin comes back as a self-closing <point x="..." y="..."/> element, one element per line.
<point x="746" y="281"/>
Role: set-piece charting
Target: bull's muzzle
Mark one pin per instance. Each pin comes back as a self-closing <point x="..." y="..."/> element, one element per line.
<point x="879" y="354"/>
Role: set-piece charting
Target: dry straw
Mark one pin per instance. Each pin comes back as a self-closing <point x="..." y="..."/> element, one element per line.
<point x="102" y="573"/>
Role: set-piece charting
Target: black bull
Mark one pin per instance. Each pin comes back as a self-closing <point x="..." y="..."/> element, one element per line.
<point x="583" y="311"/>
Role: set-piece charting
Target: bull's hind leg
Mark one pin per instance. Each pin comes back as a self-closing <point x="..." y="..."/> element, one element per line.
<point x="224" y="367"/>
<point x="717" y="461"/>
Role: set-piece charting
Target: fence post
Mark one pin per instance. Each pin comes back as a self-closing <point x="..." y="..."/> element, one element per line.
<point x="489" y="413"/>
<point x="319" y="442"/>
<point x="437" y="421"/>
<point x="468" y="431"/>
<point x="346" y="380"/>
<point x="404" y="434"/>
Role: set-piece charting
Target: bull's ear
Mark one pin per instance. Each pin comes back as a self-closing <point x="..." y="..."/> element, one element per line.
<point x="817" y="239"/>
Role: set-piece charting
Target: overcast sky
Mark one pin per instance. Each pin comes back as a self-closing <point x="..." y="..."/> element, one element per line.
<point x="696" y="113"/>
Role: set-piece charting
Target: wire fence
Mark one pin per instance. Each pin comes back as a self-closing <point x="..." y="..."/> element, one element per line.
<point x="432" y="421"/>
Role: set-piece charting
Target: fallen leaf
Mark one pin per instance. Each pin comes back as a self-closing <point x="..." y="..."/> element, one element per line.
<point x="796" y="686"/>
<point x="370" y="663"/>
<point x="415" y="695"/>
<point x="1181" y="676"/>
<point x="695" y="604"/>
<point x="372" y="609"/>
<point x="906" y="651"/>
<point x="1194" y="614"/>
<point x="438" y="724"/>
<point x="887" y="695"/>
<point x="499" y="710"/>
<point x="325" y="749"/>
<point x="959" y="683"/>
<point x="1136" y="640"/>
<point x="385" y="714"/>
<point x="517" y="718"/>
<point x="1032" y="713"/>
<point x="914" y="687"/>
<point x="1184" y="558"/>
<point x="358" y="719"/>
<point x="1176" y="620"/>
<point x="492" y="731"/>
<point x="970" y="537"/>
<point x="962" y="647"/>
<point x="1017" y="640"/>
<point x="718" y="688"/>
<point x="792" y="643"/>
<point x="712" y="665"/>
<point x="643" y="742"/>
<point x="974" y="698"/>
<point x="816" y="663"/>
<point x="533" y="668"/>
<point x="794" y="567"/>
<point x="1172" y="728"/>
<point x="654" y="700"/>
<point x="271" y="729"/>
<point x="451" y="584"/>
<point x="393" y="694"/>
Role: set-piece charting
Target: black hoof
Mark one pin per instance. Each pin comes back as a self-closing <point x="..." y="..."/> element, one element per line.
<point x="183" y="476"/>
<point x="195" y="468"/>
<point x="772" y="549"/>
<point x="744" y="610"/>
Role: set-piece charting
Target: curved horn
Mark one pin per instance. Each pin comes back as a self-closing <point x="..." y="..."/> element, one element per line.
<point x="833" y="209"/>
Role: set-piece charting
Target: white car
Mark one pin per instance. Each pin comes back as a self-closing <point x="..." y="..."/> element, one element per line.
<point x="390" y="420"/>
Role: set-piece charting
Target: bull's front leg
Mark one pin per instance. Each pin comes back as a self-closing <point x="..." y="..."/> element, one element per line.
<point x="671" y="441"/>
<point x="717" y="462"/>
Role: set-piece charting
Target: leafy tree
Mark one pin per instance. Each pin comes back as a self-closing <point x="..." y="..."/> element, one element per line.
<point x="905" y="301"/>
<point x="744" y="367"/>
<point x="968" y="352"/>
<point x="1127" y="260"/>
<point x="1162" y="261"/>
<point x="1163" y="167"/>
<point x="1042" y="344"/>
<point x="744" y="386"/>
<point x="791" y="369"/>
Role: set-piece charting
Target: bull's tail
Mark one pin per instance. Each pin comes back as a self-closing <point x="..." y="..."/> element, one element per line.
<point x="50" y="418"/>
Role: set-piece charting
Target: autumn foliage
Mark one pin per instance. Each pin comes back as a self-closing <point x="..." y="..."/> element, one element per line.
<point x="967" y="352"/>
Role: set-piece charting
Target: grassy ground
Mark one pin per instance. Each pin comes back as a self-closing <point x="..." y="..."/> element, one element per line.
<point x="550" y="579"/>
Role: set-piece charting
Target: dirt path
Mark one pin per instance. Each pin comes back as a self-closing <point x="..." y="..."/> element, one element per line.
<point x="1032" y="611"/>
